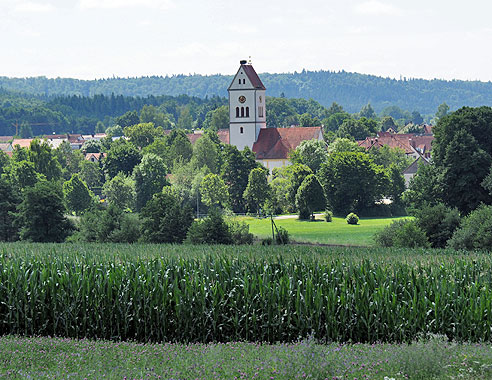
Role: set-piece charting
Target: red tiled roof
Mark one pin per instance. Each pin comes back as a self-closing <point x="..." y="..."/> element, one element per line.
<point x="193" y="137"/>
<point x="409" y="142"/>
<point x="97" y="156"/>
<point x="253" y="77"/>
<point x="23" y="143"/>
<point x="276" y="143"/>
<point x="223" y="135"/>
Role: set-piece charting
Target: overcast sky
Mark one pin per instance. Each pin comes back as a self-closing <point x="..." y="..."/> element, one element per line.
<point x="90" y="39"/>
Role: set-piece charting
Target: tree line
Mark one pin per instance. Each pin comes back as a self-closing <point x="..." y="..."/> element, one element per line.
<point x="353" y="90"/>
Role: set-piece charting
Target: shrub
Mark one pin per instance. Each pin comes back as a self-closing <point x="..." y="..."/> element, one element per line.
<point x="240" y="233"/>
<point x="352" y="218"/>
<point x="211" y="230"/>
<point x="282" y="236"/>
<point x="328" y="215"/>
<point x="439" y="223"/>
<point x="475" y="231"/>
<point x="267" y="241"/>
<point x="401" y="233"/>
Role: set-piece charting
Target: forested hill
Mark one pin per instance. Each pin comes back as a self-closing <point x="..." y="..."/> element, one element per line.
<point x="351" y="90"/>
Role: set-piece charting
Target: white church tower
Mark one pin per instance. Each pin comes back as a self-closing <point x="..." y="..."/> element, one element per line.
<point x="247" y="111"/>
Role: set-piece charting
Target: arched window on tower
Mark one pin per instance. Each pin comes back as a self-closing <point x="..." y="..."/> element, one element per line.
<point x="247" y="111"/>
<point x="239" y="81"/>
<point x="237" y="111"/>
<point x="241" y="130"/>
<point x="242" y="111"/>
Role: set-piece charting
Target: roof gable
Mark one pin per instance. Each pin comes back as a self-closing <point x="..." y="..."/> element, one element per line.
<point x="253" y="81"/>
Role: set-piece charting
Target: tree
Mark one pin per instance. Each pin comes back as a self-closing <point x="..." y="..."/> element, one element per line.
<point x="164" y="220"/>
<point x="78" y="197"/>
<point x="334" y="121"/>
<point x="386" y="156"/>
<point x="351" y="181"/>
<point x="150" y="178"/>
<point x="219" y="118"/>
<point x="143" y="134"/>
<point x="44" y="159"/>
<point x="257" y="191"/>
<point x="387" y="122"/>
<point x="214" y="191"/>
<point x="439" y="223"/>
<point x="128" y="119"/>
<point x="368" y="112"/>
<point x="462" y="153"/>
<point x="425" y="189"/>
<point x="205" y="153"/>
<point x="211" y="230"/>
<point x="310" y="197"/>
<point x="122" y="157"/>
<point x="235" y="173"/>
<point x="91" y="173"/>
<point x="150" y="114"/>
<point x="41" y="214"/>
<point x="185" y="120"/>
<point x="442" y="111"/>
<point x="70" y="160"/>
<point x="120" y="191"/>
<point x="4" y="161"/>
<point x="9" y="199"/>
<point x="25" y="130"/>
<point x="179" y="148"/>
<point x="417" y="118"/>
<point x="334" y="108"/>
<point x="114" y="131"/>
<point x="344" y="145"/>
<point x="311" y="153"/>
<point x="92" y="146"/>
<point x="396" y="185"/>
<point x="307" y="120"/>
<point x="22" y="174"/>
<point x="296" y="174"/>
<point x="352" y="128"/>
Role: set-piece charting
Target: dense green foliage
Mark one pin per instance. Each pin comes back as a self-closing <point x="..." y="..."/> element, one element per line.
<point x="475" y="231"/>
<point x="200" y="294"/>
<point x="351" y="89"/>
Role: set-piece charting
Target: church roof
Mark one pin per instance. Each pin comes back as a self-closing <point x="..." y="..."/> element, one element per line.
<point x="253" y="77"/>
<point x="276" y="143"/>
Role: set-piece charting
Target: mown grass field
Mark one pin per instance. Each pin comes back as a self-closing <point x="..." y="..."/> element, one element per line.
<point x="337" y="232"/>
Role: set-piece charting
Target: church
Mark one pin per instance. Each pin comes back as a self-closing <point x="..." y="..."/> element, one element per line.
<point x="247" y="122"/>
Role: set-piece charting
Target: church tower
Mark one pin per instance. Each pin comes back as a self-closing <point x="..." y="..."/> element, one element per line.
<point x="247" y="111"/>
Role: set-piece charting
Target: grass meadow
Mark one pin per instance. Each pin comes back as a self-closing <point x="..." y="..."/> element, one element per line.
<point x="337" y="232"/>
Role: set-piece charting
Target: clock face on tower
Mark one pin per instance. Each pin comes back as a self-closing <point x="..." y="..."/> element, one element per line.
<point x="242" y="99"/>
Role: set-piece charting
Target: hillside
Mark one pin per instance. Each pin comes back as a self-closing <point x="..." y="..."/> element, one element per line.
<point x="351" y="90"/>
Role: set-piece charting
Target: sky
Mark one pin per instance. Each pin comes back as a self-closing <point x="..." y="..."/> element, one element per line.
<point x="88" y="39"/>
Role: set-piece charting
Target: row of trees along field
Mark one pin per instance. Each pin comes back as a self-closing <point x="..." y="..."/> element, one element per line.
<point x="452" y="196"/>
<point x="151" y="166"/>
<point x="31" y="115"/>
<point x="351" y="89"/>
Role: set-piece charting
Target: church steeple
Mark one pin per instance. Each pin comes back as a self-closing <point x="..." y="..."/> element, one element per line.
<point x="247" y="110"/>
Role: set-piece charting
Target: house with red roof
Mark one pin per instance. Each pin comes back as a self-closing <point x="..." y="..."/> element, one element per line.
<point x="412" y="144"/>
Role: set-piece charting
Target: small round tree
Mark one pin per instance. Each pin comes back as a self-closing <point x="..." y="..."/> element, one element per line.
<point x="310" y="197"/>
<point x="258" y="190"/>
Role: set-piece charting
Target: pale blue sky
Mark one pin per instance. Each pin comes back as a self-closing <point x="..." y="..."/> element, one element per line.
<point x="90" y="39"/>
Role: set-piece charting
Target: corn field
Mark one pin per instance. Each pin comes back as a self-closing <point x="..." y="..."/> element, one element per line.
<point x="154" y="293"/>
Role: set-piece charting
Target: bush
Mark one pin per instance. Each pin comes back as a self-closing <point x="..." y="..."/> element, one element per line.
<point x="438" y="223"/>
<point x="352" y="218"/>
<point x="475" y="231"/>
<point x="328" y="215"/>
<point x="211" y="230"/>
<point x="401" y="233"/>
<point x="282" y="236"/>
<point x="240" y="233"/>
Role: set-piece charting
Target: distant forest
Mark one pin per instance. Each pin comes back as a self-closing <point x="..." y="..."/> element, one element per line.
<point x="351" y="90"/>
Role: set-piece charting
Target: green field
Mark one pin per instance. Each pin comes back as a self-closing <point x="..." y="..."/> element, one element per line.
<point x="243" y="293"/>
<point x="55" y="358"/>
<point x="337" y="232"/>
